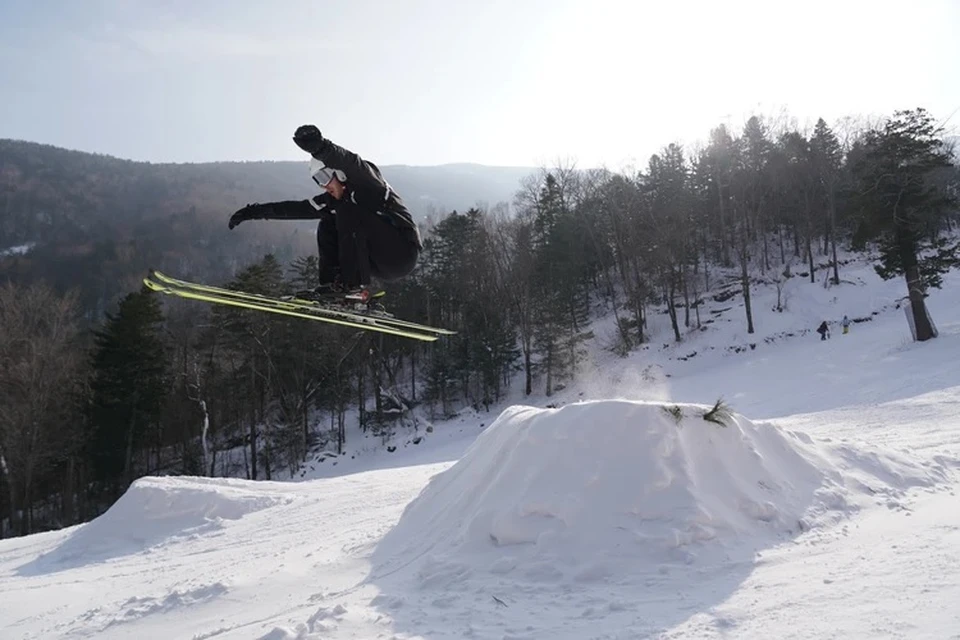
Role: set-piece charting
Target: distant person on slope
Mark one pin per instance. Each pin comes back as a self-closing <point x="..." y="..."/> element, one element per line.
<point x="823" y="330"/>
<point x="845" y="323"/>
<point x="364" y="230"/>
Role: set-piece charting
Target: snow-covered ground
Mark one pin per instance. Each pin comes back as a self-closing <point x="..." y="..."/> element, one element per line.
<point x="825" y="507"/>
<point x="19" y="249"/>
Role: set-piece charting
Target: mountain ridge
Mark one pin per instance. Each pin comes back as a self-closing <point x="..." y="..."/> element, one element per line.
<point x="477" y="182"/>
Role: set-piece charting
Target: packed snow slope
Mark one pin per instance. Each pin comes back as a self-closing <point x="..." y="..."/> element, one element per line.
<point x="825" y="505"/>
<point x="608" y="488"/>
<point x="577" y="513"/>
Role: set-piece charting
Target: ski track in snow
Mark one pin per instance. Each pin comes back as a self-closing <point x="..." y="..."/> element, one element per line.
<point x="827" y="510"/>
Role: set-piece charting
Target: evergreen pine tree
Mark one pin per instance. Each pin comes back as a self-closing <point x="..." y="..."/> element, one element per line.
<point x="827" y="159"/>
<point x="903" y="198"/>
<point x="559" y="275"/>
<point x="129" y="387"/>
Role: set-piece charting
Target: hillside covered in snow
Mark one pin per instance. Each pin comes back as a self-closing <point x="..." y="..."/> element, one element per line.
<point x="819" y="501"/>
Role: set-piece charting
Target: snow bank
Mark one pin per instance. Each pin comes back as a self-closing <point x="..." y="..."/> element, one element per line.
<point x="589" y="487"/>
<point x="155" y="510"/>
<point x="17" y="250"/>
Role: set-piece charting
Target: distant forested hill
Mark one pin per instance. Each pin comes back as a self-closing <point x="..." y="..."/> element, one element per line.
<point x="96" y="223"/>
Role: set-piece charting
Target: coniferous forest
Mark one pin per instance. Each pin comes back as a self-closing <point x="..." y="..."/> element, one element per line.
<point x="102" y="381"/>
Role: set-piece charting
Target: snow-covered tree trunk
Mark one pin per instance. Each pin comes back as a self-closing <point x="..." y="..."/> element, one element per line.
<point x="833" y="239"/>
<point x="205" y="429"/>
<point x="671" y="290"/>
<point x="203" y="435"/>
<point x="923" y="328"/>
<point x="128" y="456"/>
<point x="253" y="426"/>
<point x="5" y="472"/>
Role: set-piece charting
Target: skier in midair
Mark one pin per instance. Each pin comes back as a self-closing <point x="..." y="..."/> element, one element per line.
<point x="365" y="229"/>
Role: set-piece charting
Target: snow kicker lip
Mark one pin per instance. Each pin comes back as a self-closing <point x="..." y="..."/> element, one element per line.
<point x="647" y="482"/>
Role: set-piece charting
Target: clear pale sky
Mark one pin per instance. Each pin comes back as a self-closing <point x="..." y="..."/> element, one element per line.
<point x="505" y="82"/>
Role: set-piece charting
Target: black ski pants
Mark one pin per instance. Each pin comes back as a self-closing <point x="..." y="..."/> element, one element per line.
<point x="357" y="243"/>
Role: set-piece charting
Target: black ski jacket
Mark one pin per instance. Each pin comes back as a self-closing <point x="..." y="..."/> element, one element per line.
<point x="364" y="188"/>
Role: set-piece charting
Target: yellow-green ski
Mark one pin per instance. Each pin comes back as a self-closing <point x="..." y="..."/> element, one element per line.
<point x="358" y="321"/>
<point x="296" y="303"/>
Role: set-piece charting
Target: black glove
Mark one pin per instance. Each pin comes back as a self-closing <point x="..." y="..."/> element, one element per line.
<point x="309" y="138"/>
<point x="249" y="212"/>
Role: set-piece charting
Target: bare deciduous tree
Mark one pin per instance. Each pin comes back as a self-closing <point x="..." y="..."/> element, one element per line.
<point x="40" y="362"/>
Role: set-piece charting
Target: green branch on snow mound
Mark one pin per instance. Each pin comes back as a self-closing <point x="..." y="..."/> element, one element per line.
<point x="719" y="414"/>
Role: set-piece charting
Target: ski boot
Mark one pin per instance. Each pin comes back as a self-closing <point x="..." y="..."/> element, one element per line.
<point x="365" y="299"/>
<point x="335" y="293"/>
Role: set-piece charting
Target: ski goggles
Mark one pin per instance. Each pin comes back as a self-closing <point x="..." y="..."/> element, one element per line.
<point x="323" y="175"/>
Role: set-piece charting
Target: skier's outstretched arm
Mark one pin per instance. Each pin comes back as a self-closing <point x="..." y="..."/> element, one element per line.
<point x="311" y="209"/>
